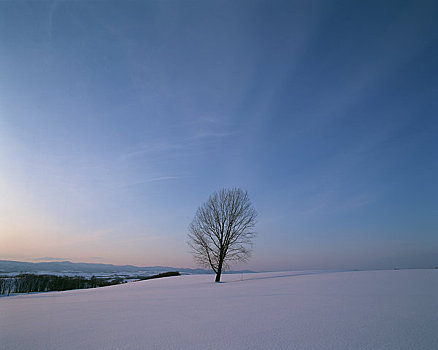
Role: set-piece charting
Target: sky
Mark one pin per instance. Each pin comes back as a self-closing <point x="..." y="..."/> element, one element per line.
<point x="118" y="119"/>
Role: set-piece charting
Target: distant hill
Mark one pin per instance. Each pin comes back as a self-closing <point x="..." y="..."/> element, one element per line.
<point x="9" y="266"/>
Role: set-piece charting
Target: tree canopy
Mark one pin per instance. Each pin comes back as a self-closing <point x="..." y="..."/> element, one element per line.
<point x="222" y="230"/>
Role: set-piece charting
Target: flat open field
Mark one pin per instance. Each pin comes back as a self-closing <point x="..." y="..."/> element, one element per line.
<point x="283" y="310"/>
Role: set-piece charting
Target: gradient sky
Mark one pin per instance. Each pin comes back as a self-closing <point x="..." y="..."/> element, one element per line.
<point x="119" y="118"/>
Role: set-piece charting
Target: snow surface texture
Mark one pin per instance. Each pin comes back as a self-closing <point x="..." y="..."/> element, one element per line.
<point x="289" y="310"/>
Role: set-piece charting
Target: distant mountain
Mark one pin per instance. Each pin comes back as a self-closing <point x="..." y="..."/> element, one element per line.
<point x="8" y="266"/>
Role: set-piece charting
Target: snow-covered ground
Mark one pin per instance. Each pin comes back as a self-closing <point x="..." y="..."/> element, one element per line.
<point x="289" y="310"/>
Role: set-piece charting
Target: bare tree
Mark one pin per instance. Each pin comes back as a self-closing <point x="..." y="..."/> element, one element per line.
<point x="222" y="230"/>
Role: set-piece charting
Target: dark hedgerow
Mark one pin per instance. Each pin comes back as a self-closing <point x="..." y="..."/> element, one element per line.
<point x="29" y="283"/>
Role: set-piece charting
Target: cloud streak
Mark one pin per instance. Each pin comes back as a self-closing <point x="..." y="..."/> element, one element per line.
<point x="151" y="180"/>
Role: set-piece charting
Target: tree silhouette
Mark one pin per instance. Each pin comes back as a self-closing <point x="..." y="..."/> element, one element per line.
<point x="222" y="230"/>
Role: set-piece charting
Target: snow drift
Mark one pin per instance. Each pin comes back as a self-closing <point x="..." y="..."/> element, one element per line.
<point x="289" y="310"/>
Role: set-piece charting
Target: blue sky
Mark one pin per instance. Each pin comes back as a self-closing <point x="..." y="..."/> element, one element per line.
<point x="117" y="119"/>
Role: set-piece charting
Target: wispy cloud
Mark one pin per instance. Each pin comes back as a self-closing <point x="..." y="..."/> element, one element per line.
<point x="154" y="179"/>
<point x="335" y="202"/>
<point x="212" y="134"/>
<point x="151" y="148"/>
<point x="52" y="9"/>
<point x="200" y="134"/>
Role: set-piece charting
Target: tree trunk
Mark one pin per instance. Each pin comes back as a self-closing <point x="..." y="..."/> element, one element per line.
<point x="218" y="277"/>
<point x="219" y="271"/>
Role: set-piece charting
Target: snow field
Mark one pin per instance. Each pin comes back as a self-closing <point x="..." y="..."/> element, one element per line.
<point x="285" y="310"/>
